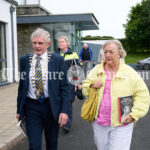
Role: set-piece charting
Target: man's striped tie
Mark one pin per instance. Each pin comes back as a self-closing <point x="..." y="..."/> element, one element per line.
<point x="39" y="91"/>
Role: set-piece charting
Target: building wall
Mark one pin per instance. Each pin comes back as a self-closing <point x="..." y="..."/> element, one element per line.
<point x="33" y="2"/>
<point x="5" y="18"/>
<point x="23" y="36"/>
<point x="23" y="2"/>
<point x="32" y="10"/>
<point x="56" y="30"/>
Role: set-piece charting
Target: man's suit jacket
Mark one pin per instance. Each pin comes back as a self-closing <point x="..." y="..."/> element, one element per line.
<point x="57" y="85"/>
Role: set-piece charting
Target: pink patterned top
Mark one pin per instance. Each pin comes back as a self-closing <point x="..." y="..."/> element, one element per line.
<point x="104" y="114"/>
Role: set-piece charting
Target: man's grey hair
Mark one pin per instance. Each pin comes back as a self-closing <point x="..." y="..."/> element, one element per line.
<point x="121" y="50"/>
<point x="41" y="32"/>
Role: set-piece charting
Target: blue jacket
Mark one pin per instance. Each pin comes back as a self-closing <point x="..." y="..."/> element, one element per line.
<point x="57" y="89"/>
<point x="90" y="51"/>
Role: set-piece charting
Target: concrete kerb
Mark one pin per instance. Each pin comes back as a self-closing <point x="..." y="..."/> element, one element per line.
<point x="12" y="142"/>
<point x="9" y="134"/>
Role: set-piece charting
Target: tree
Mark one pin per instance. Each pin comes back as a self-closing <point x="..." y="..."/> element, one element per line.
<point x="97" y="38"/>
<point x="137" y="29"/>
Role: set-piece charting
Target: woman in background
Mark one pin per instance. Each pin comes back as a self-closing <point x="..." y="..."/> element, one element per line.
<point x="69" y="57"/>
<point x="101" y="56"/>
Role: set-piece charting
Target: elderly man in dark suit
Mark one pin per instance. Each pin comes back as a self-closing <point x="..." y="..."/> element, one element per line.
<point x="43" y="95"/>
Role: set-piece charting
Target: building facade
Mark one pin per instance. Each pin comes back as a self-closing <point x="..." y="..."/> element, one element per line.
<point x="70" y="25"/>
<point x="32" y="14"/>
<point x="8" y="42"/>
<point x="21" y="17"/>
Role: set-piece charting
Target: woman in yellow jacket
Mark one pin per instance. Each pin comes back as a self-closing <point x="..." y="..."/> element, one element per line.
<point x="115" y="80"/>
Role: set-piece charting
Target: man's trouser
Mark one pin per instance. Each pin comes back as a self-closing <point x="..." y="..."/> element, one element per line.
<point x="86" y="67"/>
<point x="39" y="117"/>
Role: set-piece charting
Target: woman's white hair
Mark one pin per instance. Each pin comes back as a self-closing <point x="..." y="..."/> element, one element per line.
<point x="65" y="38"/>
<point x="41" y="32"/>
<point x="121" y="50"/>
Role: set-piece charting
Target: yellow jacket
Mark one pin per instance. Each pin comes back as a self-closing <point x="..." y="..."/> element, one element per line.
<point x="126" y="82"/>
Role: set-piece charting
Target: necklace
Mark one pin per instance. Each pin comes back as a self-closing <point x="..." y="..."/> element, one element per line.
<point x="44" y="69"/>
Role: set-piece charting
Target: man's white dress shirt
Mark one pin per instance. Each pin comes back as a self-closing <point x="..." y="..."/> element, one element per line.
<point x="44" y="66"/>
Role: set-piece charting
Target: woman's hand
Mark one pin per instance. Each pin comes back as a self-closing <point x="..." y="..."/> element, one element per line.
<point x="128" y="119"/>
<point x="97" y="85"/>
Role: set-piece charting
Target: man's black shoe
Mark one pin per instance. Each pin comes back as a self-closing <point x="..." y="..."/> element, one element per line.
<point x="66" y="129"/>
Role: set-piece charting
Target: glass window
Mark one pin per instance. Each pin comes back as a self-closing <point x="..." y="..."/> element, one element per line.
<point x="2" y="53"/>
<point x="56" y="30"/>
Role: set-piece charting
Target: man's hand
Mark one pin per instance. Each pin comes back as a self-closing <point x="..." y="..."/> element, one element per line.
<point x="17" y="116"/>
<point x="79" y="86"/>
<point x="81" y="62"/>
<point x="63" y="118"/>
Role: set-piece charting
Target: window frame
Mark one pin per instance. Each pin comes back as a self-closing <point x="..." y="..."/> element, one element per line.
<point x="5" y="52"/>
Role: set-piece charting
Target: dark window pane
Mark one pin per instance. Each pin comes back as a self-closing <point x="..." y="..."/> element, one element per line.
<point x="3" y="73"/>
<point x="2" y="53"/>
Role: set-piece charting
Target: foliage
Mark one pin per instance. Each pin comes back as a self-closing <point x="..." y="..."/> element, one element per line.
<point x="89" y="37"/>
<point x="125" y="44"/>
<point x="134" y="57"/>
<point x="137" y="29"/>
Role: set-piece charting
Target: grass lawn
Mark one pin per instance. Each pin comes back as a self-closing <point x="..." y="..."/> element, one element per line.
<point x="133" y="58"/>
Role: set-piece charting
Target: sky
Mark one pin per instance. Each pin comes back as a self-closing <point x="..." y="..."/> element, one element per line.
<point x="111" y="14"/>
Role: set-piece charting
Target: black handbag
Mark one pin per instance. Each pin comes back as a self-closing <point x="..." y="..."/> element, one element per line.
<point x="79" y="94"/>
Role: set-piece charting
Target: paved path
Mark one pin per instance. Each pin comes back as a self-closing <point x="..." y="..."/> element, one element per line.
<point x="9" y="133"/>
<point x="81" y="135"/>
